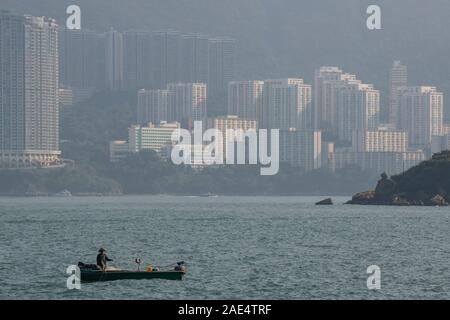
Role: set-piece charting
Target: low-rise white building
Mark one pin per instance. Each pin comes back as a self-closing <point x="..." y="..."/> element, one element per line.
<point x="118" y="150"/>
<point x="65" y="97"/>
<point x="380" y="141"/>
<point x="151" y="137"/>
<point x="389" y="162"/>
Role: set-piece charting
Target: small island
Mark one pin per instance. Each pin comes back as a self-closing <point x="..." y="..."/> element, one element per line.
<point x="427" y="184"/>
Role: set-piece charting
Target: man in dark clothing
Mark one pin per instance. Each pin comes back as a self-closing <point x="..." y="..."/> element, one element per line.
<point x="102" y="258"/>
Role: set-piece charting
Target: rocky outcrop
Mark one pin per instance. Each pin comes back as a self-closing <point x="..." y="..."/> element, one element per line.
<point x="325" y="202"/>
<point x="386" y="193"/>
<point x="439" y="200"/>
<point x="365" y="198"/>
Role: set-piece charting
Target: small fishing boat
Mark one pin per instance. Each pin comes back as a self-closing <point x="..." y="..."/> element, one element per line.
<point x="91" y="273"/>
<point x="110" y="275"/>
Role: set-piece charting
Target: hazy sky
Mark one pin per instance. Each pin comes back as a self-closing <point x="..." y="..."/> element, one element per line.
<point x="291" y="37"/>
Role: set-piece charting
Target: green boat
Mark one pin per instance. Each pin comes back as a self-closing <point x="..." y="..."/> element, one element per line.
<point x="110" y="275"/>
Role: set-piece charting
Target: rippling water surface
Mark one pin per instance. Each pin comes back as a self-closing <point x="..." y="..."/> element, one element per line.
<point x="234" y="247"/>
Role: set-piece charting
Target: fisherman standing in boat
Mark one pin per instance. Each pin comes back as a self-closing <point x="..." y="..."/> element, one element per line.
<point x="102" y="258"/>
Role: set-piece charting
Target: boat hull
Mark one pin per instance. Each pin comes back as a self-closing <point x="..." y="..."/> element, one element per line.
<point x="95" y="276"/>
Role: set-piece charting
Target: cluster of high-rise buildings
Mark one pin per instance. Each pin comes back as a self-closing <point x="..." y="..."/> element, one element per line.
<point x="134" y="60"/>
<point x="333" y="123"/>
<point x="44" y="66"/>
<point x="337" y="123"/>
<point x="182" y="102"/>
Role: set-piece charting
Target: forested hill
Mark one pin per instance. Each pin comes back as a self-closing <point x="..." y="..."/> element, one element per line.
<point x="290" y="37"/>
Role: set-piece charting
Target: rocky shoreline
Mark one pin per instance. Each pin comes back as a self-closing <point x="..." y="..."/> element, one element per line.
<point x="368" y="198"/>
<point x="427" y="184"/>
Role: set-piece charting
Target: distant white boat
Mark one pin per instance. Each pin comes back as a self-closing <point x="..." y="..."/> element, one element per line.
<point x="208" y="195"/>
<point x="63" y="193"/>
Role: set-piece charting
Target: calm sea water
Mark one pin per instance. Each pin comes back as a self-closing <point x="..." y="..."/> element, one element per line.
<point x="234" y="247"/>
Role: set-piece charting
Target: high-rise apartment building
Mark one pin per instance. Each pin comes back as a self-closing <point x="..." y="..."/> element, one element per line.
<point x="81" y="59"/>
<point x="287" y="104"/>
<point x="153" y="106"/>
<point x="194" y="58"/>
<point x="166" y="46"/>
<point x="137" y="69"/>
<point x="222" y="56"/>
<point x="29" y="116"/>
<point x="421" y="114"/>
<point x="232" y="122"/>
<point x="324" y="106"/>
<point x="327" y="84"/>
<point x="114" y="60"/>
<point x="301" y="148"/>
<point x="245" y="99"/>
<point x="240" y="127"/>
<point x="398" y="78"/>
<point x="187" y="103"/>
<point x="358" y="109"/>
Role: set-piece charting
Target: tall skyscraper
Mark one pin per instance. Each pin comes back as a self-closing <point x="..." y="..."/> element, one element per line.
<point x="324" y="109"/>
<point x="137" y="69"/>
<point x="327" y="82"/>
<point x="287" y="104"/>
<point x="245" y="99"/>
<point x="166" y="46"/>
<point x="152" y="106"/>
<point x="222" y="56"/>
<point x="421" y="113"/>
<point x="301" y="148"/>
<point x="187" y="103"/>
<point x="114" y="60"/>
<point x="358" y="109"/>
<point x="194" y="58"/>
<point x="29" y="118"/>
<point x="398" y="77"/>
<point x="241" y="127"/>
<point x="81" y="59"/>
